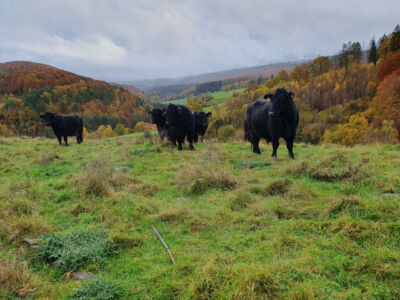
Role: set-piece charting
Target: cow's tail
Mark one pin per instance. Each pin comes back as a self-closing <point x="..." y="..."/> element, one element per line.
<point x="80" y="133"/>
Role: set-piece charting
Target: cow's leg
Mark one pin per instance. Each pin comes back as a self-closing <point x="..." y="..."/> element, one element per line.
<point x="289" y="145"/>
<point x="255" y="146"/>
<point x="202" y="138"/>
<point x="196" y="138"/>
<point x="59" y="140"/>
<point x="180" y="145"/>
<point x="79" y="137"/>
<point x="65" y="140"/>
<point x="190" y="140"/>
<point x="275" y="145"/>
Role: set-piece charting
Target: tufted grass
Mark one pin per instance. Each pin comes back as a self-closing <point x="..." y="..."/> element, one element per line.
<point x="325" y="226"/>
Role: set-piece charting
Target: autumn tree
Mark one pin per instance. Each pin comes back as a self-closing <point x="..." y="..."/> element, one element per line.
<point x="350" y="53"/>
<point x="320" y="65"/>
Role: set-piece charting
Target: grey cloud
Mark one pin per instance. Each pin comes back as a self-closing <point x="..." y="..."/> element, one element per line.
<point x="123" y="40"/>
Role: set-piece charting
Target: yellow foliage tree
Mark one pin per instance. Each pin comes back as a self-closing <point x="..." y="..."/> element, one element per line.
<point x="143" y="126"/>
<point x="85" y="133"/>
<point x="106" y="131"/>
<point x="193" y="105"/>
<point x="348" y="134"/>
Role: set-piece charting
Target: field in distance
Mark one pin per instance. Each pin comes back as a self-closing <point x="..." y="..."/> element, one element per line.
<point x="218" y="97"/>
<point x="240" y="226"/>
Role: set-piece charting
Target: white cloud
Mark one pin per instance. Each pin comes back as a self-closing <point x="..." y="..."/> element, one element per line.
<point x="139" y="39"/>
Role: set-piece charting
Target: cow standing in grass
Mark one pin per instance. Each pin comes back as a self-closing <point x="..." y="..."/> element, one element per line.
<point x="64" y="126"/>
<point x="180" y="124"/>
<point x="272" y="120"/>
<point x="200" y="124"/>
<point x="158" y="118"/>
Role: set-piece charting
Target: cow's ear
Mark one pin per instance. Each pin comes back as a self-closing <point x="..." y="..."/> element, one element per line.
<point x="291" y="95"/>
<point x="209" y="114"/>
<point x="268" y="96"/>
<point x="149" y="113"/>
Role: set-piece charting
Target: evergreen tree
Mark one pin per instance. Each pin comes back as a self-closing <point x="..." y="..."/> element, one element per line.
<point x="373" y="53"/>
<point x="394" y="43"/>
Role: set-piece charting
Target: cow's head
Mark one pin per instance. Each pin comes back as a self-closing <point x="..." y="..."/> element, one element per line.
<point x="173" y="114"/>
<point x="158" y="116"/>
<point x="49" y="118"/>
<point x="201" y="118"/>
<point x="282" y="101"/>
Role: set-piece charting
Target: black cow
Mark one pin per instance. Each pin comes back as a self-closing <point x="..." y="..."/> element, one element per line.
<point x="180" y="124"/>
<point x="158" y="118"/>
<point x="64" y="126"/>
<point x="272" y="120"/>
<point x="200" y="124"/>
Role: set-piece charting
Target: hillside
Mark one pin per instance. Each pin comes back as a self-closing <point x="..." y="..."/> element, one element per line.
<point x="240" y="226"/>
<point x="352" y="98"/>
<point x="28" y="89"/>
<point x="250" y="72"/>
<point x="24" y="66"/>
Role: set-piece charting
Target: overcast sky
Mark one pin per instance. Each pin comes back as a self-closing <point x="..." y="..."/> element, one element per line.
<point x="126" y="40"/>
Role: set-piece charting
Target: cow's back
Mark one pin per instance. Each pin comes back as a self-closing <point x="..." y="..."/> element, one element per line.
<point x="68" y="125"/>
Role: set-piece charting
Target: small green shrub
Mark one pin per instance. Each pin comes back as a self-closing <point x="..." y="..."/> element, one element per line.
<point x="75" y="249"/>
<point x="100" y="289"/>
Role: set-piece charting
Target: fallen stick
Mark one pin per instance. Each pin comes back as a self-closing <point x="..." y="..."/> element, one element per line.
<point x="164" y="243"/>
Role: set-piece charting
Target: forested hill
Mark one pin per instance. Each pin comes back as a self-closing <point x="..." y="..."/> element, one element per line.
<point x="349" y="99"/>
<point x="28" y="88"/>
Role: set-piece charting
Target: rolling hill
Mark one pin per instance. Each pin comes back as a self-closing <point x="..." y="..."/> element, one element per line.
<point x="27" y="89"/>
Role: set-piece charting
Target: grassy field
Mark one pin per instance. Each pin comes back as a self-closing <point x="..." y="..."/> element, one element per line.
<point x="240" y="226"/>
<point x="218" y="97"/>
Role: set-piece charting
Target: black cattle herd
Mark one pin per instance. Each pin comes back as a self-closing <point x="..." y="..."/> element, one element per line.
<point x="269" y="120"/>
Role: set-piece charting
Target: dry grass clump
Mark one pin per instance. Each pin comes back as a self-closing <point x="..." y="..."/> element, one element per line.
<point x="48" y="158"/>
<point x="126" y="241"/>
<point x="20" y="206"/>
<point x="15" y="229"/>
<point x="199" y="181"/>
<point x="298" y="169"/>
<point x="335" y="168"/>
<point x="146" y="189"/>
<point x="15" y="279"/>
<point x="240" y="201"/>
<point x="215" y="281"/>
<point x="278" y="187"/>
<point x="172" y="214"/>
<point x="342" y="204"/>
<point x="96" y="178"/>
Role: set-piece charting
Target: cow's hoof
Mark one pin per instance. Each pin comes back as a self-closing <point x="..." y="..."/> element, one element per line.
<point x="274" y="156"/>
<point x="191" y="147"/>
<point x="291" y="156"/>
